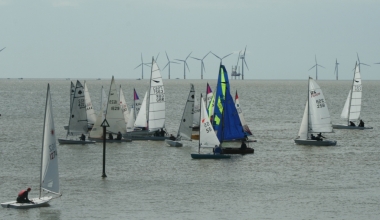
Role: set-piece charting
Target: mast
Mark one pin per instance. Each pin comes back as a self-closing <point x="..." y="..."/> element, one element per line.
<point x="43" y="136"/>
<point x="200" y="124"/>
<point x="352" y="87"/>
<point x="134" y="103"/>
<point x="308" y="107"/>
<point x="150" y="87"/>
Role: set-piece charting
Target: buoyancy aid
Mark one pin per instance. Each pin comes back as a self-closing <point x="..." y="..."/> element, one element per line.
<point x="22" y="193"/>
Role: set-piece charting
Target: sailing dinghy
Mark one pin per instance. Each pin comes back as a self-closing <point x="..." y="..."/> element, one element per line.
<point x="353" y="105"/>
<point x="316" y="118"/>
<point x="185" y="127"/>
<point x="78" y="123"/>
<point x="114" y="116"/>
<point x="156" y="109"/>
<point x="207" y="136"/>
<point x="49" y="177"/>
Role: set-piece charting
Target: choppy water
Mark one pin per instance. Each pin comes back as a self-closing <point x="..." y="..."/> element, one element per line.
<point x="148" y="180"/>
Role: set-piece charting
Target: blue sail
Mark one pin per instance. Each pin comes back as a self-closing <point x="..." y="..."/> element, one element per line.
<point x="221" y="89"/>
<point x="231" y="126"/>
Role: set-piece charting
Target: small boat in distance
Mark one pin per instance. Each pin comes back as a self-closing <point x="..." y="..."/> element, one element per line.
<point x="207" y="137"/>
<point x="316" y="118"/>
<point x="185" y="127"/>
<point x="353" y="104"/>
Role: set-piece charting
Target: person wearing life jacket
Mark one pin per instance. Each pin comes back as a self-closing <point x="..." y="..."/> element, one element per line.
<point x="23" y="196"/>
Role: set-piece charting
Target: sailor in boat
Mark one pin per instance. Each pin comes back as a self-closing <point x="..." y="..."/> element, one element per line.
<point x="172" y="137"/>
<point x="361" y="124"/>
<point x="313" y="137"/>
<point x="162" y="132"/>
<point x="243" y="145"/>
<point x="82" y="137"/>
<point x="319" y="137"/>
<point x="110" y="136"/>
<point x="23" y="196"/>
<point x="217" y="149"/>
<point x="352" y="124"/>
<point x="118" y="137"/>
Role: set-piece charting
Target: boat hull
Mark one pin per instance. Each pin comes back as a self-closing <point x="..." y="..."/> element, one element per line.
<point x="111" y="141"/>
<point x="230" y="150"/>
<point x="350" y="127"/>
<point x="315" y="142"/>
<point x="146" y="138"/>
<point x="38" y="202"/>
<point x="172" y="143"/>
<point x="210" y="156"/>
<point x="237" y="140"/>
<point x="68" y="141"/>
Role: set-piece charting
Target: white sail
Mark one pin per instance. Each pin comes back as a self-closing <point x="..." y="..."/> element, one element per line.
<point x="131" y="121"/>
<point x="114" y="115"/>
<point x="247" y="131"/>
<point x="346" y="105"/>
<point x="320" y="120"/>
<point x="196" y="112"/>
<point x="78" y="123"/>
<point x="123" y="105"/>
<point x="356" y="96"/>
<point x="97" y="130"/>
<point x="103" y="104"/>
<point x="49" y="156"/>
<point x="141" y="117"/>
<point x="72" y="91"/>
<point x="91" y="116"/>
<point x="156" y="115"/>
<point x="303" y="134"/>
<point x="207" y="136"/>
<point x="185" y="127"/>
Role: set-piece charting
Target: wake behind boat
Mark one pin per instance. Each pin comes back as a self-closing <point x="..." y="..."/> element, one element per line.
<point x="352" y="107"/>
<point x="316" y="118"/>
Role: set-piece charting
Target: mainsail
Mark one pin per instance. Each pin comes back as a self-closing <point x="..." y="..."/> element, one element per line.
<point x="156" y="115"/>
<point x="49" y="157"/>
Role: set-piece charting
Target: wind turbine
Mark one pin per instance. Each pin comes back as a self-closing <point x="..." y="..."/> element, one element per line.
<point x="242" y="57"/>
<point x="168" y="64"/>
<point x="336" y="69"/>
<point x="222" y="57"/>
<point x="142" y="67"/>
<point x="359" y="61"/>
<point x="316" y="68"/>
<point x="185" y="65"/>
<point x="202" y="64"/>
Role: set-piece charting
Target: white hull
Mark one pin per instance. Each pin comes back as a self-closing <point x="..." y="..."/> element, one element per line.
<point x="350" y="127"/>
<point x="315" y="142"/>
<point x="172" y="143"/>
<point x="69" y="141"/>
<point x="38" y="202"/>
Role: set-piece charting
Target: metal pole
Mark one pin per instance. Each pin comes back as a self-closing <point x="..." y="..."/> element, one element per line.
<point x="104" y="152"/>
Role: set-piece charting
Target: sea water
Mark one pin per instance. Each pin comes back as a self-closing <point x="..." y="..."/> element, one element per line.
<point x="149" y="180"/>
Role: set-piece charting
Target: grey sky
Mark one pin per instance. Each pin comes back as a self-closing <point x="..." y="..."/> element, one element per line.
<point x="98" y="39"/>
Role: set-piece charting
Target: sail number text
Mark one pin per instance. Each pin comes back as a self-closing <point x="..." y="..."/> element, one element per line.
<point x="320" y="103"/>
<point x="207" y="125"/>
<point x="159" y="92"/>
<point x="53" y="151"/>
<point x="357" y="88"/>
